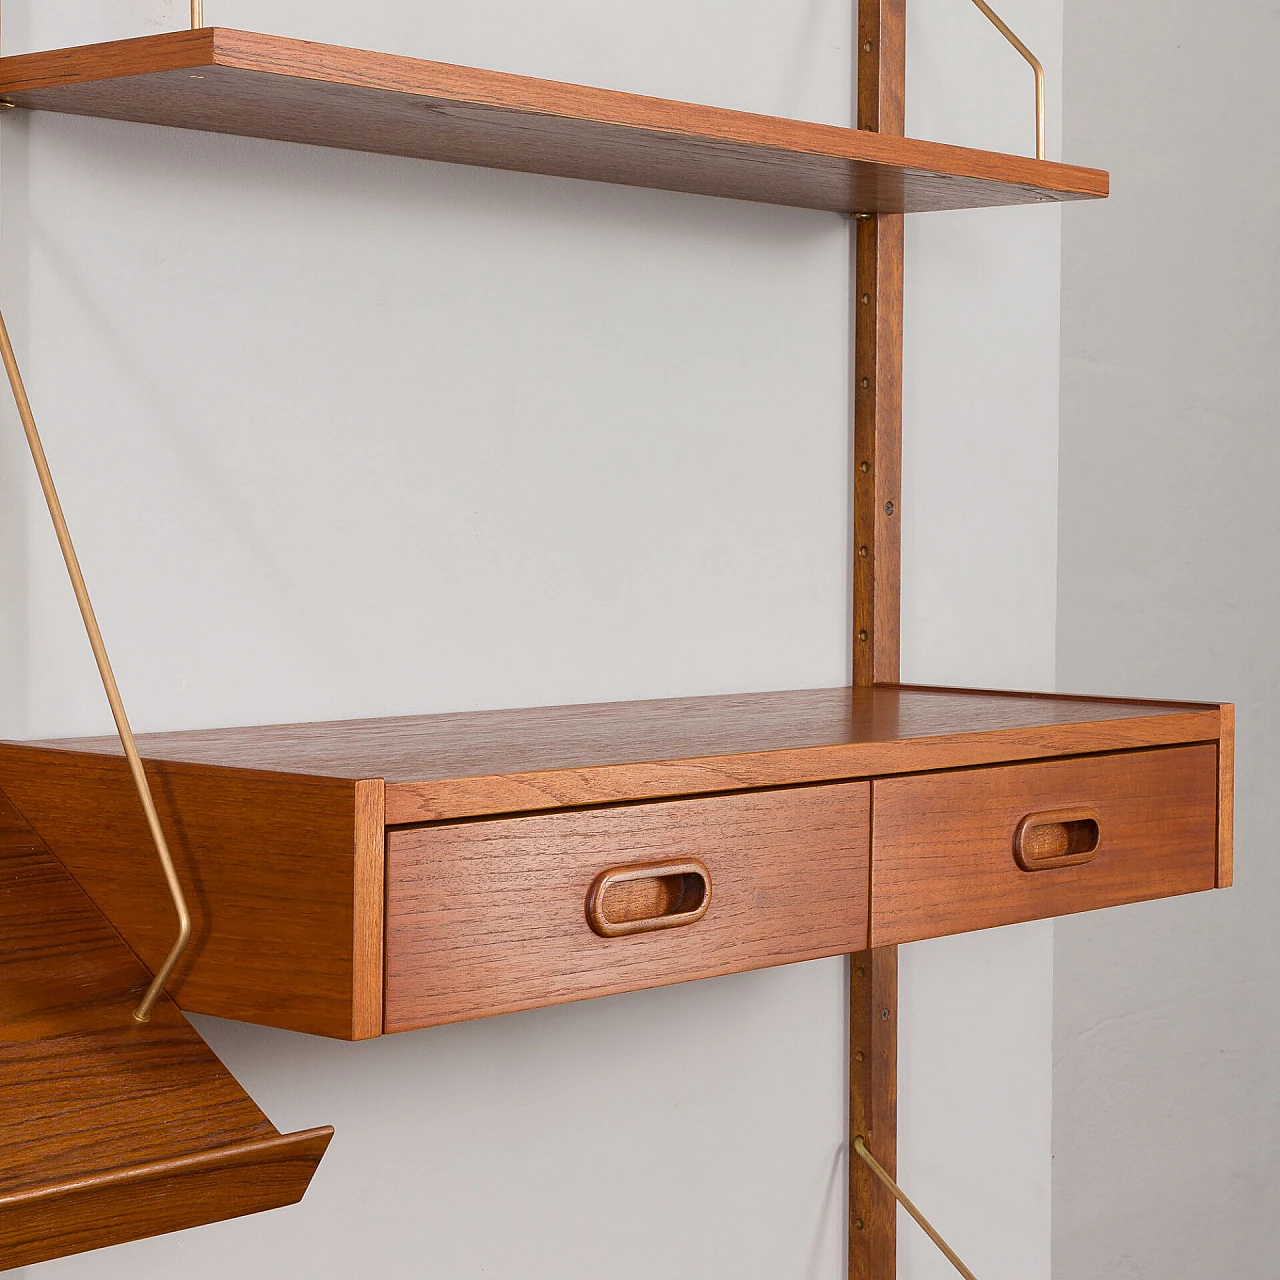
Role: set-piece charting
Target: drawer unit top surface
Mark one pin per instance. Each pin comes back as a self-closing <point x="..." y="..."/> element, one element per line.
<point x="468" y="764"/>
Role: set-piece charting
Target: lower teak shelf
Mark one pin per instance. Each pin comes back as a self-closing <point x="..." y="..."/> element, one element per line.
<point x="363" y="877"/>
<point x="111" y="1130"/>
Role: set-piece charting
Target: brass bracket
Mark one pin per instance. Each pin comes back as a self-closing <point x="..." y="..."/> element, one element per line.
<point x="860" y="1149"/>
<point x="143" y="1011"/>
<point x="197" y="21"/>
<point x="1001" y="26"/>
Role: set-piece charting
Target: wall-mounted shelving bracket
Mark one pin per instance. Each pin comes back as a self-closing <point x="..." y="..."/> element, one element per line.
<point x="1035" y="64"/>
<point x="153" y="993"/>
<point x="860" y="1150"/>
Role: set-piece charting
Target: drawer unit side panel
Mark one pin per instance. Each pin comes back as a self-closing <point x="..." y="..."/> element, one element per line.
<point x="269" y="865"/>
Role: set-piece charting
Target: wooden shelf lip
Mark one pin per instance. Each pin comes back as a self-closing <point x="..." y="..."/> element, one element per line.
<point x="236" y="82"/>
<point x="158" y="1198"/>
<point x="255" y="1152"/>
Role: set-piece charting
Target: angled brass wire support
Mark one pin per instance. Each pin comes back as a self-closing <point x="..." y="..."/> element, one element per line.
<point x="197" y="14"/>
<point x="1004" y="30"/>
<point x="874" y="1165"/>
<point x="143" y="1011"/>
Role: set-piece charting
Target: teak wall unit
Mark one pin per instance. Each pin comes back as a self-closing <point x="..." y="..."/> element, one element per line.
<point x="368" y="877"/>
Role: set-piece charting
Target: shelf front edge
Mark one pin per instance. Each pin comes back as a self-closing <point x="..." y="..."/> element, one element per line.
<point x="451" y="799"/>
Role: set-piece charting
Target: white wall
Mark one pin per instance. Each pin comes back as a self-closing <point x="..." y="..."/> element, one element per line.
<point x="349" y="435"/>
<point x="1166" y="1113"/>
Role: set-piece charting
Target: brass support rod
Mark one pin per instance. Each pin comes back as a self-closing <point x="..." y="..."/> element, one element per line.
<point x="197" y="14"/>
<point x="874" y="1165"/>
<point x="143" y="1011"/>
<point x="1004" y="30"/>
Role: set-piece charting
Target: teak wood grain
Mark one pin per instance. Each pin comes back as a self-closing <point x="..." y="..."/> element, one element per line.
<point x="877" y="303"/>
<point x="111" y="1130"/>
<point x="943" y="845"/>
<point x="268" y="87"/>
<point x="879" y="255"/>
<point x="283" y="875"/>
<point x="877" y="448"/>
<point x="873" y="1111"/>
<point x="439" y="767"/>
<point x="1226" y="797"/>
<point x="490" y="917"/>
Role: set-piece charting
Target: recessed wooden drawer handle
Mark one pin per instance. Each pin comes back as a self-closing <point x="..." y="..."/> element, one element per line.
<point x="1064" y="838"/>
<point x="648" y="896"/>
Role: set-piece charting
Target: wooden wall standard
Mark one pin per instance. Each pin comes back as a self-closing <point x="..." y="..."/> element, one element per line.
<point x="877" y="463"/>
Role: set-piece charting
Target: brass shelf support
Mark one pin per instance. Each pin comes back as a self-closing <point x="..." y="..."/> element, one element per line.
<point x="197" y="14"/>
<point x="143" y="1011"/>
<point x="1001" y="26"/>
<point x="874" y="1165"/>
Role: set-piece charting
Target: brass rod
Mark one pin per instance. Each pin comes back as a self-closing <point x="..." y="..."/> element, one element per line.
<point x="1004" y="30"/>
<point x="197" y="14"/>
<point x="947" y="1252"/>
<point x="143" y="1011"/>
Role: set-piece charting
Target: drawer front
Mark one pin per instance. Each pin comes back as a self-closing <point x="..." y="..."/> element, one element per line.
<point x="492" y="916"/>
<point x="982" y="847"/>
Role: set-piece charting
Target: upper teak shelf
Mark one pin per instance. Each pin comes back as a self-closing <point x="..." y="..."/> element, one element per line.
<point x="235" y="82"/>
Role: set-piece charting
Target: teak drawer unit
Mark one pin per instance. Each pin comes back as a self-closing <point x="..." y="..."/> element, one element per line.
<point x="368" y="876"/>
